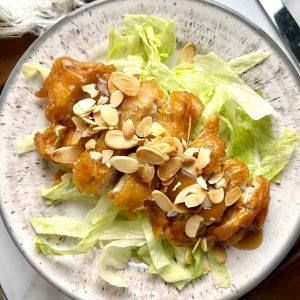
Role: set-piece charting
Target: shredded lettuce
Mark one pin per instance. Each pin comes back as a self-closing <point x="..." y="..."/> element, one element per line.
<point x="25" y="144"/>
<point x="218" y="272"/>
<point x="64" y="191"/>
<point x="133" y="64"/>
<point x="246" y="62"/>
<point x="30" y="69"/>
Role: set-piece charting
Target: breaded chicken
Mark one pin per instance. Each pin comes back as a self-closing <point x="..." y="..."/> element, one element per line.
<point x="63" y="86"/>
<point x="176" y="114"/>
<point x="210" y="139"/>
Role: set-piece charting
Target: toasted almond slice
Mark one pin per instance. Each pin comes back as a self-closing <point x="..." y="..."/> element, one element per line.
<point x="151" y="156"/>
<point x="220" y="254"/>
<point x="221" y="183"/>
<point x="203" y="158"/>
<point x="168" y="169"/>
<point x="102" y="100"/>
<point x="162" y="201"/>
<point x="193" y="200"/>
<point x="184" y="143"/>
<point x="216" y="196"/>
<point x="190" y="168"/>
<point x="191" y="189"/>
<point x="180" y="208"/>
<point x="128" y="129"/>
<point x="111" y="87"/>
<point x="189" y="257"/>
<point x="192" y="225"/>
<point x="60" y="130"/>
<point x="206" y="204"/>
<point x="157" y="129"/>
<point x="187" y="54"/>
<point x="90" y="144"/>
<point x="133" y="155"/>
<point x="96" y="156"/>
<point x="146" y="172"/>
<point x="109" y="115"/>
<point x="88" y="121"/>
<point x="125" y="164"/>
<point x="83" y="106"/>
<point x="178" y="146"/>
<point x="76" y="137"/>
<point x="191" y="151"/>
<point x="144" y="124"/>
<point x="176" y="186"/>
<point x="99" y="128"/>
<point x="66" y="155"/>
<point x="203" y="244"/>
<point x="90" y="89"/>
<point x="107" y="155"/>
<point x="98" y="119"/>
<point x="216" y="177"/>
<point x="126" y="83"/>
<point x="202" y="182"/>
<point x="116" y="98"/>
<point x="232" y="196"/>
<point x="116" y="140"/>
<point x="79" y="123"/>
<point x="168" y="182"/>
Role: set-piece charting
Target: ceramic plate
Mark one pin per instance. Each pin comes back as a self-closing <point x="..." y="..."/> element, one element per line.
<point x="83" y="34"/>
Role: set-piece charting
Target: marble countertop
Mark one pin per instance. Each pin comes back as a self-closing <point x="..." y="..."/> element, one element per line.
<point x="18" y="280"/>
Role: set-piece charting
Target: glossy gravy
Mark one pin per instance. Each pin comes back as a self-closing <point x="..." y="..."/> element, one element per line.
<point x="251" y="240"/>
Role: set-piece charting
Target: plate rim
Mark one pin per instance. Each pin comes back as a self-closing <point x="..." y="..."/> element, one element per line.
<point x="292" y="68"/>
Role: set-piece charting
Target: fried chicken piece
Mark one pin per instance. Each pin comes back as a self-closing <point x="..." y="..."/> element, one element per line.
<point x="143" y="104"/>
<point x="210" y="139"/>
<point x="247" y="213"/>
<point x="93" y="177"/>
<point x="63" y="86"/>
<point x="176" y="114"/>
<point x="130" y="192"/>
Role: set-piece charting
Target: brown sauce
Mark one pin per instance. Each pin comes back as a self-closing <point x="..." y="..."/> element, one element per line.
<point x="251" y="240"/>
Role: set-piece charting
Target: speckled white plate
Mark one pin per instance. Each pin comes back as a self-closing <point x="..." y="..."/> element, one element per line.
<point x="82" y="34"/>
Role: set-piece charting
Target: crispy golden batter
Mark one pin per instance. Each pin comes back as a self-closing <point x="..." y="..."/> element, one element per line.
<point x="143" y="104"/>
<point x="210" y="139"/>
<point x="175" y="114"/>
<point x="63" y="86"/>
<point x="130" y="193"/>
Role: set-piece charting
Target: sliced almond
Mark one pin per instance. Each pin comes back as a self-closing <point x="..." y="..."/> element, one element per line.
<point x="107" y="155"/>
<point x="145" y="124"/>
<point x="90" y="89"/>
<point x="157" y="129"/>
<point x="96" y="156"/>
<point x="66" y="155"/>
<point x="99" y="128"/>
<point x="180" y="208"/>
<point x="193" y="200"/>
<point x="189" y="257"/>
<point x="168" y="182"/>
<point x="162" y="201"/>
<point x="187" y="54"/>
<point x="216" y="196"/>
<point x="206" y="204"/>
<point x="176" y="186"/>
<point x="111" y="87"/>
<point x="192" y="225"/>
<point x="125" y="164"/>
<point x="216" y="177"/>
<point x="116" y="140"/>
<point x="220" y="254"/>
<point x="190" y="168"/>
<point x="203" y="158"/>
<point x="178" y="146"/>
<point x="146" y="172"/>
<point x="184" y="143"/>
<point x="98" y="119"/>
<point x="89" y="121"/>
<point x="76" y="137"/>
<point x="84" y="106"/>
<point x="116" y="98"/>
<point x="128" y="129"/>
<point x="79" y="123"/>
<point x="151" y="156"/>
<point x="126" y="83"/>
<point x="191" y="189"/>
<point x="203" y="244"/>
<point x="202" y="182"/>
<point x="170" y="150"/>
<point x="188" y="159"/>
<point x="60" y="130"/>
<point x="221" y="183"/>
<point x="109" y="115"/>
<point x="102" y="100"/>
<point x="90" y="144"/>
<point x="191" y="151"/>
<point x="169" y="168"/>
<point x="232" y="196"/>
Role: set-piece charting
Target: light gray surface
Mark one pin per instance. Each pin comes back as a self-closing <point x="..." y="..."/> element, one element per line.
<point x="17" y="277"/>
